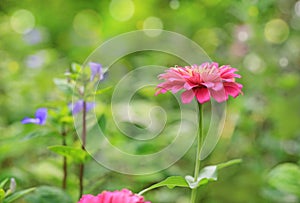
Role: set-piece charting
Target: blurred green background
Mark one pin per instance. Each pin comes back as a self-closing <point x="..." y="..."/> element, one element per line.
<point x="40" y="39"/>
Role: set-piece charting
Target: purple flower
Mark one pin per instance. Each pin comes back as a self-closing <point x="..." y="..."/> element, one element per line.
<point x="96" y="70"/>
<point x="78" y="106"/>
<point x="40" y="117"/>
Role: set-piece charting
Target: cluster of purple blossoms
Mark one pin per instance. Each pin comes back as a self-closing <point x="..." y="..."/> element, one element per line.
<point x="41" y="114"/>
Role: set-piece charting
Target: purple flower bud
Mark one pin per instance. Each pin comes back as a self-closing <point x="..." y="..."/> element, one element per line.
<point x="96" y="70"/>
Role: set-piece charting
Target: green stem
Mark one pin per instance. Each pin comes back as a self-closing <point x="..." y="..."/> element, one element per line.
<point x="65" y="166"/>
<point x="198" y="158"/>
<point x="229" y="163"/>
<point x="81" y="166"/>
<point x="143" y="191"/>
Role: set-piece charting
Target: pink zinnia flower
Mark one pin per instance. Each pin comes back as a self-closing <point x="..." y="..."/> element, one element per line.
<point x="201" y="81"/>
<point x="123" y="196"/>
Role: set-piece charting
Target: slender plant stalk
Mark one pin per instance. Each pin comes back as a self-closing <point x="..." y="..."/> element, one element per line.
<point x="199" y="145"/>
<point x="65" y="167"/>
<point x="81" y="167"/>
<point x="229" y="163"/>
<point x="64" y="143"/>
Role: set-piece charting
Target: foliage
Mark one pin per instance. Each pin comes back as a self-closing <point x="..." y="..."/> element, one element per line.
<point x="46" y="194"/>
<point x="262" y="127"/>
<point x="10" y="195"/>
<point x="285" y="178"/>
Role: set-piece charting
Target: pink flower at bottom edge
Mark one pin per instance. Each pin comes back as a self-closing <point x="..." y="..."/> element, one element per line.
<point x="123" y="196"/>
<point x="88" y="199"/>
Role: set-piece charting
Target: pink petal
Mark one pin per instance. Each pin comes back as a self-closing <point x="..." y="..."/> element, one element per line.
<point x="187" y="96"/>
<point x="214" y="64"/>
<point x="176" y="88"/>
<point x="88" y="199"/>
<point x="189" y="86"/>
<point x="123" y="196"/>
<point x="227" y="73"/>
<point x="202" y="95"/>
<point x="219" y="96"/>
<point x="209" y="84"/>
<point x="105" y="196"/>
<point x="233" y="89"/>
<point x="218" y="86"/>
<point x="203" y="65"/>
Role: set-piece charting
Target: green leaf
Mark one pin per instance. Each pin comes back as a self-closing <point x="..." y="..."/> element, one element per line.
<point x="75" y="67"/>
<point x="63" y="85"/>
<point x="78" y="155"/>
<point x="46" y="194"/>
<point x="286" y="178"/>
<point x="102" y="122"/>
<point x="207" y="174"/>
<point x="66" y="119"/>
<point x="2" y="194"/>
<point x="101" y="91"/>
<point x="36" y="134"/>
<point x="17" y="195"/>
<point x="3" y="182"/>
<point x="170" y="182"/>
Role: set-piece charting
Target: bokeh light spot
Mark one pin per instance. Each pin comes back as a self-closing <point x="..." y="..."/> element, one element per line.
<point x="276" y="31"/>
<point x="87" y="24"/>
<point x="283" y="62"/>
<point x="121" y="10"/>
<point x="22" y="21"/>
<point x="36" y="36"/>
<point x="242" y="32"/>
<point x="153" y="23"/>
<point x="254" y="63"/>
<point x="39" y="59"/>
<point x="174" y="4"/>
<point x="243" y="36"/>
